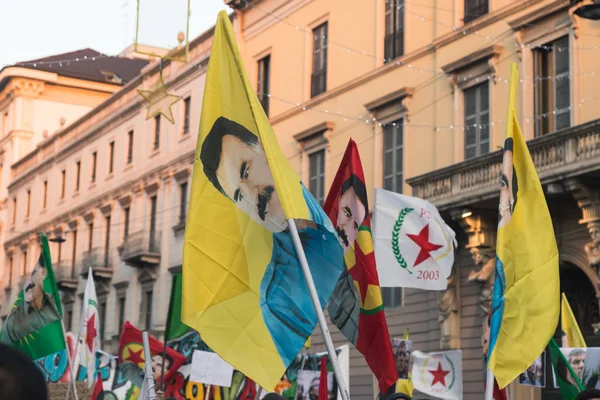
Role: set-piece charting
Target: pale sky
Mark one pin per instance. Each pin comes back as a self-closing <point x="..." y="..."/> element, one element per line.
<point x="33" y="29"/>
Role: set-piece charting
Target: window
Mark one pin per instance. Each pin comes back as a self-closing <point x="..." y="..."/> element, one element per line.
<point x="28" y="203"/>
<point x="59" y="256"/>
<point x="24" y="271"/>
<point x="394" y="30"/>
<point x="393" y="157"/>
<point x="392" y="297"/>
<point x="107" y="241"/>
<point x="477" y="118"/>
<point x="45" y="195"/>
<point x="187" y="103"/>
<point x="183" y="202"/>
<point x="91" y="235"/>
<point x="70" y="320"/>
<point x="121" y="311"/>
<point x="63" y="183"/>
<point x="14" y="210"/>
<point x="111" y="160"/>
<point x="102" y="312"/>
<point x="129" y="147"/>
<point x="552" y="95"/>
<point x="74" y="252"/>
<point x="77" y="175"/>
<point x="317" y="175"/>
<point x="475" y="9"/>
<point x="126" y="224"/>
<point x="264" y="82"/>
<point x="94" y="162"/>
<point x="319" y="65"/>
<point x="10" y="270"/>
<point x="148" y="321"/>
<point x="152" y="223"/>
<point x="156" y="132"/>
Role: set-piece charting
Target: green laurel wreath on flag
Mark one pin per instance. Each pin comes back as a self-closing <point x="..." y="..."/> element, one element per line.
<point x="396" y="234"/>
<point x="453" y="373"/>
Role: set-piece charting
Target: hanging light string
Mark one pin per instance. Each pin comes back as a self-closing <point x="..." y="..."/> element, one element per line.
<point x="371" y="120"/>
<point x="59" y="63"/>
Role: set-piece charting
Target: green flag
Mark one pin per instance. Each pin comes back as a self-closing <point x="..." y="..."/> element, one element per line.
<point x="34" y="324"/>
<point x="568" y="382"/>
<point x="175" y="328"/>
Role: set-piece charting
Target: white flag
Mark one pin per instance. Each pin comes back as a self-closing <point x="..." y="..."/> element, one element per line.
<point x="90" y="330"/>
<point x="438" y="374"/>
<point x="413" y="245"/>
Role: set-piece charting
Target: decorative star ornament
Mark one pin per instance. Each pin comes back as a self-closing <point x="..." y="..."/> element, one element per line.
<point x="159" y="101"/>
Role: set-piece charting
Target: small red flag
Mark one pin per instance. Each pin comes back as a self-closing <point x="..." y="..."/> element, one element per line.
<point x="131" y="350"/>
<point x="362" y="320"/>
<point x="323" y="387"/>
<point x="98" y="388"/>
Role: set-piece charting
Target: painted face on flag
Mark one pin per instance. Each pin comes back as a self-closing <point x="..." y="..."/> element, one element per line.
<point x="576" y="359"/>
<point x="508" y="185"/>
<point x="352" y="210"/>
<point x="33" y="291"/>
<point x="235" y="163"/>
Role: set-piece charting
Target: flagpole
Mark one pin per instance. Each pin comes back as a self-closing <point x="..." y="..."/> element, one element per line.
<point x="148" y="368"/>
<point x="71" y="373"/>
<point x="258" y="393"/>
<point x="162" y="367"/>
<point x="74" y="354"/>
<point x="317" y="306"/>
<point x="489" y="386"/>
<point x="207" y="394"/>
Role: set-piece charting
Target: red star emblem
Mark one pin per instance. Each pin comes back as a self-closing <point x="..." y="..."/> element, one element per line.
<point x="439" y="375"/>
<point x="135" y="356"/>
<point x="422" y="240"/>
<point x="91" y="333"/>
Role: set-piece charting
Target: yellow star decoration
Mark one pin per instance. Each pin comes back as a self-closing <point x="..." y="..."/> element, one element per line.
<point x="159" y="101"/>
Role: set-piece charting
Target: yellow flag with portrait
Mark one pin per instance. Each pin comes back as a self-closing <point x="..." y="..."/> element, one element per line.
<point x="243" y="287"/>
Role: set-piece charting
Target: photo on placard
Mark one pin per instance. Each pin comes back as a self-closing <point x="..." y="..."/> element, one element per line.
<point x="402" y="349"/>
<point x="576" y="357"/>
<point x="591" y="369"/>
<point x="309" y="382"/>
<point x="535" y="374"/>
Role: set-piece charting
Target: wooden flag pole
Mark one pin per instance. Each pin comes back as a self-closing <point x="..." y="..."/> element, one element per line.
<point x="317" y="306"/>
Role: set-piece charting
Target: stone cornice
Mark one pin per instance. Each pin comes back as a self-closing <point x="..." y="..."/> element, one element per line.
<point x="536" y="15"/>
<point x="314" y="130"/>
<point x="473" y="58"/>
<point x="397" y="95"/>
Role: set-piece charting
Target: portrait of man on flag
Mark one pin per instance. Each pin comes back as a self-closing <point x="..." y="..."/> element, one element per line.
<point x="235" y="163"/>
<point x="37" y="310"/>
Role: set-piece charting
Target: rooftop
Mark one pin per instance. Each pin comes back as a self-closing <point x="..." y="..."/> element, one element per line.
<point x="90" y="65"/>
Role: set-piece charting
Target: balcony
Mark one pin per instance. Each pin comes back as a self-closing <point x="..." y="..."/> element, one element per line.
<point x="66" y="277"/>
<point x="100" y="263"/>
<point x="557" y="156"/>
<point x="141" y="249"/>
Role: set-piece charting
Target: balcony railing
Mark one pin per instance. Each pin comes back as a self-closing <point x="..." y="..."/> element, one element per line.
<point x="99" y="261"/>
<point x="65" y="274"/>
<point x="141" y="249"/>
<point x="563" y="154"/>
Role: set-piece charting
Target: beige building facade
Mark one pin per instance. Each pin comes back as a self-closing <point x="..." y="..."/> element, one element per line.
<point x="114" y="186"/>
<point x="420" y="85"/>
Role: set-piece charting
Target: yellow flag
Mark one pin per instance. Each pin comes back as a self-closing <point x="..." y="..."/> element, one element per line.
<point x="569" y="325"/>
<point x="525" y="304"/>
<point x="243" y="287"/>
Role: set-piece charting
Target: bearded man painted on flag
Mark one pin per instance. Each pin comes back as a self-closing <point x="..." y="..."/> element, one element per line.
<point x="356" y="306"/>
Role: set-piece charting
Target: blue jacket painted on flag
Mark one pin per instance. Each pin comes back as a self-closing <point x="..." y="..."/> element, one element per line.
<point x="285" y="301"/>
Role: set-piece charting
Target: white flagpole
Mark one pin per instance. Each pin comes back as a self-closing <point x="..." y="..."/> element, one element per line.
<point x="151" y="395"/>
<point x="489" y="386"/>
<point x="207" y="394"/>
<point x="258" y="393"/>
<point x="317" y="306"/>
<point x="71" y="373"/>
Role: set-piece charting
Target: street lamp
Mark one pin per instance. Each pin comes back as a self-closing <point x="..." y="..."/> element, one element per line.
<point x="588" y="9"/>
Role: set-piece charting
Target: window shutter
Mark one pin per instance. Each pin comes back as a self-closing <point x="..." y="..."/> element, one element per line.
<point x="484" y="118"/>
<point x="399" y="29"/>
<point x="470" y="119"/>
<point x="389" y="30"/>
<point x="562" y="83"/>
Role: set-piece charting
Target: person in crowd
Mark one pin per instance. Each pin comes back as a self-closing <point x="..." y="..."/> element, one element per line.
<point x="20" y="378"/>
